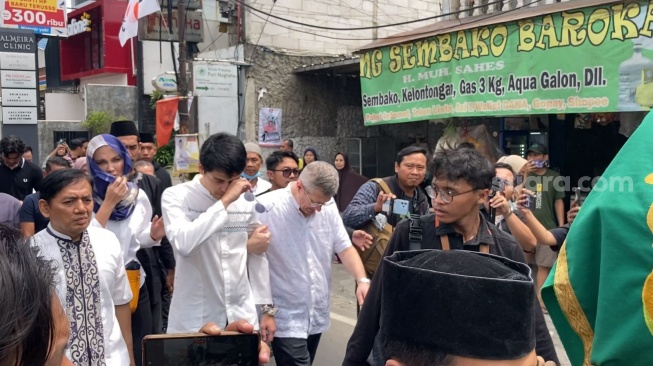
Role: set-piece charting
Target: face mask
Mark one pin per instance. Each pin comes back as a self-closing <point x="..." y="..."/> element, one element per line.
<point x="250" y="177"/>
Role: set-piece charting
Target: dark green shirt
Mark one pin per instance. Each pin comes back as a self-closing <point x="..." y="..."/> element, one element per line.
<point x="548" y="188"/>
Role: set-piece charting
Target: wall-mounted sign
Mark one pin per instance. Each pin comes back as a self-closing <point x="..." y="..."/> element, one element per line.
<point x="215" y="80"/>
<point x="79" y="26"/>
<point x="152" y="29"/>
<point x="17" y="79"/>
<point x="19" y="115"/>
<point x="45" y="17"/>
<point x="588" y="60"/>
<point x="165" y="83"/>
<point x="19" y="98"/>
<point x="190" y="4"/>
<point x="17" y="61"/>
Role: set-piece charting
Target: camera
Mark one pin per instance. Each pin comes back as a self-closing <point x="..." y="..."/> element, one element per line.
<point x="498" y="185"/>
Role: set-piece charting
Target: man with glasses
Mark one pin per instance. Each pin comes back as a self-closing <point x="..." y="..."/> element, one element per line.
<point x="306" y="230"/>
<point x="461" y="183"/>
<point x="282" y="168"/>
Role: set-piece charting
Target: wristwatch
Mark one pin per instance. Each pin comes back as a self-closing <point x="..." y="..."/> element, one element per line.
<point x="363" y="280"/>
<point x="269" y="310"/>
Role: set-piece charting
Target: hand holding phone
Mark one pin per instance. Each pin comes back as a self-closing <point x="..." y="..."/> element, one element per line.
<point x="227" y="348"/>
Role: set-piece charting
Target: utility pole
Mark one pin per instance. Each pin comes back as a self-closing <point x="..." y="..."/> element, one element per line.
<point x="182" y="83"/>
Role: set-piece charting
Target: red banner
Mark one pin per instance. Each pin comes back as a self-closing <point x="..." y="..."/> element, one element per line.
<point x="166" y="113"/>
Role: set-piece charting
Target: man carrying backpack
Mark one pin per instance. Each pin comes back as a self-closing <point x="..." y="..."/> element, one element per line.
<point x="462" y="179"/>
<point x="367" y="204"/>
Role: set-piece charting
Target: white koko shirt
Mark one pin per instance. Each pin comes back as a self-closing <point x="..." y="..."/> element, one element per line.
<point x="300" y="254"/>
<point x="261" y="186"/>
<point x="210" y="245"/>
<point x="114" y="285"/>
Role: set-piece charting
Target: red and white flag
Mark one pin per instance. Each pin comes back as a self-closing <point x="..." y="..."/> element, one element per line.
<point x="135" y="11"/>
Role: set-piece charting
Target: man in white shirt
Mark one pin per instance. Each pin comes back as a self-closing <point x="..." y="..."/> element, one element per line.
<point x="306" y="229"/>
<point x="208" y="224"/>
<point x="252" y="170"/>
<point x="92" y="283"/>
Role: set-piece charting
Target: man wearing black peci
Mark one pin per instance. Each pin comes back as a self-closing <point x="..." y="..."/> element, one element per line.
<point x="461" y="183"/>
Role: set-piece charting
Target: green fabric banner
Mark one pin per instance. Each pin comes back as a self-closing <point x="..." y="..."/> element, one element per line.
<point x="588" y="60"/>
<point x="600" y="292"/>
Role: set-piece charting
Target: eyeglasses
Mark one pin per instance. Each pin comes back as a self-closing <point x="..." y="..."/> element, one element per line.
<point x="316" y="205"/>
<point x="287" y="172"/>
<point x="446" y="196"/>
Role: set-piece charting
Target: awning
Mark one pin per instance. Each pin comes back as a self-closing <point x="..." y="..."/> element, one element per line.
<point x="448" y="26"/>
<point x="348" y="66"/>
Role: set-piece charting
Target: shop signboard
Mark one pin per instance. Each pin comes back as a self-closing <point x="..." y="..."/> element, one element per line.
<point x="44" y="17"/>
<point x="597" y="59"/>
<point x="151" y="28"/>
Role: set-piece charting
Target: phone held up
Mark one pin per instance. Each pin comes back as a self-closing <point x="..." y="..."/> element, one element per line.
<point x="399" y="207"/>
<point x="579" y="196"/>
<point x="228" y="348"/>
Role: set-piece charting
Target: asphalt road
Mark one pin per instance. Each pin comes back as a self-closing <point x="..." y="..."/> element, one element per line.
<point x="343" y="318"/>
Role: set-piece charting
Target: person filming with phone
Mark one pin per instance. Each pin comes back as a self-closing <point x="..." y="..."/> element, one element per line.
<point x="502" y="204"/>
<point x="548" y="207"/>
<point x="462" y="181"/>
<point x="554" y="237"/>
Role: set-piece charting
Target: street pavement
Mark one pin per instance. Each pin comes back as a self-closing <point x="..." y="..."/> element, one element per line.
<point x="343" y="319"/>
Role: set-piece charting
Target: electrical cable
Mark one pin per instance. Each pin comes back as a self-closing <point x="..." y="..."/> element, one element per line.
<point x="377" y="26"/>
<point x="426" y="33"/>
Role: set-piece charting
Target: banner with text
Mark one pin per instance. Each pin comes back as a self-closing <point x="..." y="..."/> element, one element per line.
<point x="596" y="59"/>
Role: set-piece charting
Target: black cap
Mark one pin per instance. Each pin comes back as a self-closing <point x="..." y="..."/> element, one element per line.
<point x="147" y="137"/>
<point x="461" y="303"/>
<point x="538" y="149"/>
<point x="123" y="128"/>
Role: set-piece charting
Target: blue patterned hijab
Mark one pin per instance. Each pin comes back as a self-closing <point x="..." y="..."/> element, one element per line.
<point x="102" y="180"/>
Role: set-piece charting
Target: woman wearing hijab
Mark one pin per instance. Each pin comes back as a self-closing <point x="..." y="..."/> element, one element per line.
<point x="122" y="208"/>
<point x="80" y="164"/>
<point x="350" y="181"/>
<point x="310" y="155"/>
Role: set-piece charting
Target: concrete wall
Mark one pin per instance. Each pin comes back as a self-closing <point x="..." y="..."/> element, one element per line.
<point x="64" y="106"/>
<point x="335" y="14"/>
<point x="120" y="101"/>
<point x="46" y="134"/>
<point x="310" y="103"/>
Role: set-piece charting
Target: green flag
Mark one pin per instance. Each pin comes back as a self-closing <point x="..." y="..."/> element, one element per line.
<point x="600" y="292"/>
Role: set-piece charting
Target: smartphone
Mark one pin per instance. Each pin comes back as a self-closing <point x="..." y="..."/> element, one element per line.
<point x="400" y="207"/>
<point x="61" y="142"/>
<point x="579" y="195"/>
<point x="519" y="179"/>
<point x="529" y="202"/>
<point x="538" y="163"/>
<point x="229" y="348"/>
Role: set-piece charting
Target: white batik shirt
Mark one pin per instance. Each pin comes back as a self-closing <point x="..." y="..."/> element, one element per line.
<point x="114" y="285"/>
<point x="210" y="245"/>
<point x="300" y="255"/>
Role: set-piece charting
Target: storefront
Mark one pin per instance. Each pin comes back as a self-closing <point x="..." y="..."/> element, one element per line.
<point x="552" y="74"/>
<point x="93" y="49"/>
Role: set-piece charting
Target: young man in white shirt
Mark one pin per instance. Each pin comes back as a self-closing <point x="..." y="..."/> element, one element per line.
<point x="92" y="283"/>
<point x="306" y="229"/>
<point x="212" y="229"/>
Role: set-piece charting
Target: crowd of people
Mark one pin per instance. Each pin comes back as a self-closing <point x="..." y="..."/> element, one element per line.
<point x="121" y="252"/>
